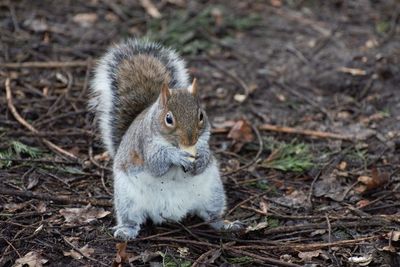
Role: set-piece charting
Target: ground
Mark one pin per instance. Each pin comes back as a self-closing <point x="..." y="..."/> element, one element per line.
<point x="304" y="100"/>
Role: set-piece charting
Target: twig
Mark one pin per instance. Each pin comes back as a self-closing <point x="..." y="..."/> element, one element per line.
<point x="290" y="130"/>
<point x="319" y="134"/>
<point x="59" y="199"/>
<point x="315" y="226"/>
<point x="80" y="252"/>
<point x="200" y="260"/>
<point x="22" y="121"/>
<point x="307" y="247"/>
<point x="48" y="64"/>
<point x="328" y="222"/>
<point x="243" y="202"/>
<point x="263" y="258"/>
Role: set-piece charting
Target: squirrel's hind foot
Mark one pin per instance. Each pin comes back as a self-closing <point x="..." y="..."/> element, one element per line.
<point x="228" y="226"/>
<point x="126" y="232"/>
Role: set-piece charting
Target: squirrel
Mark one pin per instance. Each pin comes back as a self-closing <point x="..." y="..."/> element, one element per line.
<point x="157" y="134"/>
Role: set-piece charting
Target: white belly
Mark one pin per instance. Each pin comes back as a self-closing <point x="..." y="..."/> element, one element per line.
<point x="170" y="197"/>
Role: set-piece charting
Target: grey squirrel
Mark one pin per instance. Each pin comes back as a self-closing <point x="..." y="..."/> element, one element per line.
<point x="154" y="128"/>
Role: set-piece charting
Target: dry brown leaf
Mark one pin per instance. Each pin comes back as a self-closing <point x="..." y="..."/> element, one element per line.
<point x="318" y="232"/>
<point x="122" y="256"/>
<point x="276" y="3"/>
<point x="150" y="8"/>
<point x="241" y="131"/>
<point x="393" y="235"/>
<point x="85" y="250"/>
<point x="362" y="203"/>
<point x="33" y="180"/>
<point x="374" y="181"/>
<point x="264" y="206"/>
<point x="342" y="166"/>
<point x="308" y="255"/>
<point x="12" y="207"/>
<point x="83" y="215"/>
<point x="32" y="259"/>
<point x="85" y="19"/>
<point x="41" y="207"/>
<point x="296" y="199"/>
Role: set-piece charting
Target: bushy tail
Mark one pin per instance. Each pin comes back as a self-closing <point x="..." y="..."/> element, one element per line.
<point x="127" y="80"/>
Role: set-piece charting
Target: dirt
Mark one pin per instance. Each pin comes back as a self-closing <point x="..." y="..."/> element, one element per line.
<point x="324" y="66"/>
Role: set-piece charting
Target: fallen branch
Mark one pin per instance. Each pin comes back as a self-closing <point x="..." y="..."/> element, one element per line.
<point x="290" y="130"/>
<point x="59" y="199"/>
<point x="48" y="64"/>
<point x="23" y="122"/>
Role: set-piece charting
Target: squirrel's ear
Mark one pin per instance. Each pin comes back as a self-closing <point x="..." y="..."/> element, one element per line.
<point x="165" y="94"/>
<point x="193" y="88"/>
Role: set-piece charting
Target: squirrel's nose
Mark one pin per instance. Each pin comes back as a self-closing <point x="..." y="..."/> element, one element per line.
<point x="190" y="139"/>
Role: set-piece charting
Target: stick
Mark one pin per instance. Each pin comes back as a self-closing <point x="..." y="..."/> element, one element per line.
<point x="48" y="64"/>
<point x="59" y="199"/>
<point x="290" y="130"/>
<point x="22" y="121"/>
<point x="80" y="252"/>
<point x="319" y="134"/>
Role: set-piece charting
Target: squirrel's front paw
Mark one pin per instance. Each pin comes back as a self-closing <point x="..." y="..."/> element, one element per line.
<point x="183" y="159"/>
<point x="125" y="232"/>
<point x="201" y="163"/>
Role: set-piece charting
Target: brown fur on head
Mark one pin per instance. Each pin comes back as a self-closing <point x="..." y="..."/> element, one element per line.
<point x="182" y="120"/>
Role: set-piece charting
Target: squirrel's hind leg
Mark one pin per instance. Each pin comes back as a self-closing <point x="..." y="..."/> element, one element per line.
<point x="128" y="226"/>
<point x="128" y="215"/>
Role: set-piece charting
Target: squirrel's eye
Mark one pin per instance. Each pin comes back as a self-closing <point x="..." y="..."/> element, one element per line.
<point x="169" y="119"/>
<point x="201" y="116"/>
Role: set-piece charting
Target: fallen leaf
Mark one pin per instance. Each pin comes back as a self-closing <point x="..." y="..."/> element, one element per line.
<point x="33" y="180"/>
<point x="256" y="227"/>
<point x="41" y="207"/>
<point x="362" y="203"/>
<point x="361" y="260"/>
<point x="296" y="199"/>
<point x="308" y="255"/>
<point x="83" y="215"/>
<point x="85" y="19"/>
<point x="85" y="250"/>
<point x="147" y="255"/>
<point x="183" y="252"/>
<point x="393" y="235"/>
<point x="150" y="8"/>
<point x="374" y="181"/>
<point x="264" y="207"/>
<point x="329" y="186"/>
<point x="276" y="3"/>
<point x="122" y="256"/>
<point x="342" y="166"/>
<point x="318" y="232"/>
<point x="32" y="259"/>
<point x="241" y="131"/>
<point x="12" y="207"/>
